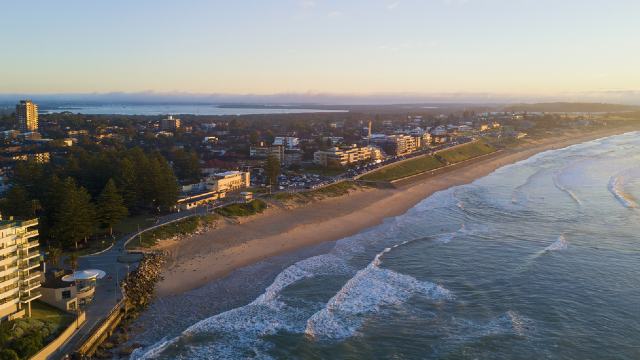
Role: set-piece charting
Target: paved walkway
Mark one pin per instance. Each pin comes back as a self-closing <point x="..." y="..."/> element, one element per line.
<point x="107" y="290"/>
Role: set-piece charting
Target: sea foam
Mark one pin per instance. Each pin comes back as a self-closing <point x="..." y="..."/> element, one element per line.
<point x="616" y="187"/>
<point x="366" y="293"/>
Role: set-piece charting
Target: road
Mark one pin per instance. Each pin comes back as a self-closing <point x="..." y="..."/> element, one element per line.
<point x="108" y="292"/>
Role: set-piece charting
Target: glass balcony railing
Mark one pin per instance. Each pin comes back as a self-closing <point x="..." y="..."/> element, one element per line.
<point x="24" y="298"/>
<point x="27" y="265"/>
<point x="8" y="299"/>
<point x="29" y="245"/>
<point x="29" y="285"/>
<point x="30" y="276"/>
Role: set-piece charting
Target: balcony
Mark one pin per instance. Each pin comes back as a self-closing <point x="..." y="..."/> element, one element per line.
<point x="30" y="234"/>
<point x="28" y="265"/>
<point x="9" y="294"/>
<point x="28" y="255"/>
<point x="29" y="244"/>
<point x="8" y="250"/>
<point x="31" y="276"/>
<point x="25" y="298"/>
<point x="6" y="302"/>
<point x="8" y="281"/>
<point x="31" y="222"/>
<point x="10" y="270"/>
<point x="7" y="260"/>
<point x="30" y="285"/>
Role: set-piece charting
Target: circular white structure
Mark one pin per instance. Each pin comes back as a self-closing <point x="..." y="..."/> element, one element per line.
<point x="91" y="274"/>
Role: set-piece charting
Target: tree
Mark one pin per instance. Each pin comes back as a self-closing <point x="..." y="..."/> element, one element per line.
<point x="17" y="203"/>
<point x="72" y="261"/>
<point x="8" y="354"/>
<point x="54" y="254"/>
<point x="74" y="217"/>
<point x="28" y="345"/>
<point x="111" y="207"/>
<point x="128" y="184"/>
<point x="272" y="170"/>
<point x="186" y="165"/>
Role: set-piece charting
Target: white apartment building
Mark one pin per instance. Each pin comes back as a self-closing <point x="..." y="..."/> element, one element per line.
<point x="19" y="262"/>
<point x="346" y="155"/>
<point x="229" y="181"/>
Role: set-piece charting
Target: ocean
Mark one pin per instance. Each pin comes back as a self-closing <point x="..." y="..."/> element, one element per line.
<point x="540" y="259"/>
<point x="177" y="109"/>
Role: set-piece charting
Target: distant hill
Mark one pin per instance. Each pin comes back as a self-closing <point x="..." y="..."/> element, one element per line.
<point x="570" y="107"/>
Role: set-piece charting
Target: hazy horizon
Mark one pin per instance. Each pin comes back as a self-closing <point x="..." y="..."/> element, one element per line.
<point x="321" y="99"/>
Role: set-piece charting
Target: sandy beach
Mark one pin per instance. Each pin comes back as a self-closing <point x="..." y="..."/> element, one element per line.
<point x="202" y="258"/>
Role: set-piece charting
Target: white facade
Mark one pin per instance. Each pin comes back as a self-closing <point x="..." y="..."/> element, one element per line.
<point x="19" y="263"/>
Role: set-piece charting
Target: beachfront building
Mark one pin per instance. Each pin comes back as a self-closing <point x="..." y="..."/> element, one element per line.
<point x="229" y="181"/>
<point x="344" y="156"/>
<point x="58" y="293"/>
<point x="284" y="148"/>
<point x="398" y="144"/>
<point x="19" y="263"/>
<point x="27" y="116"/>
<point x="192" y="201"/>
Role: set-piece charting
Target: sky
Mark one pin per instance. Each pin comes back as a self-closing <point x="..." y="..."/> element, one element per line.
<point x="511" y="48"/>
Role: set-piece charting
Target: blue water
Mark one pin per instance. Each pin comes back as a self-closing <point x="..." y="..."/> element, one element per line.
<point x="540" y="259"/>
<point x="177" y="109"/>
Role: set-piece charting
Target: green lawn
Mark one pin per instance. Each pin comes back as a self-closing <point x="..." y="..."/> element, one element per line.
<point x="22" y="338"/>
<point x="56" y="317"/>
<point x="426" y="163"/>
<point x="465" y="152"/>
<point x="324" y="171"/>
<point x="404" y="169"/>
<point x="303" y="197"/>
<point x="183" y="227"/>
<point x="239" y="210"/>
<point x="130" y="224"/>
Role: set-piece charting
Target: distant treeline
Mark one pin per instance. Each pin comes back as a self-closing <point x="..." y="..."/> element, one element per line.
<point x="570" y="107"/>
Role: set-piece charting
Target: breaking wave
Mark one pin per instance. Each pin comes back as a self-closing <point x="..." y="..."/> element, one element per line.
<point x="561" y="187"/>
<point x="367" y="292"/>
<point x="558" y="245"/>
<point x="616" y="187"/>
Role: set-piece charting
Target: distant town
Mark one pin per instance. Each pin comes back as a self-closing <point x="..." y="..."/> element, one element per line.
<point x="75" y="185"/>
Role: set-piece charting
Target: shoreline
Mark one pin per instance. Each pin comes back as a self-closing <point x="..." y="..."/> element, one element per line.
<point x="197" y="260"/>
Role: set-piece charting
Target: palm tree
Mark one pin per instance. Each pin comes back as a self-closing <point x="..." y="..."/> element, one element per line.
<point x="54" y="254"/>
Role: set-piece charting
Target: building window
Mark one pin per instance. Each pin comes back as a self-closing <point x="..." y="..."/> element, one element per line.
<point x="66" y="294"/>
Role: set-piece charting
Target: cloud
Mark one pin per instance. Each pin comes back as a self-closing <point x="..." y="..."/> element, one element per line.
<point x="335" y="14"/>
<point x="393" y="5"/>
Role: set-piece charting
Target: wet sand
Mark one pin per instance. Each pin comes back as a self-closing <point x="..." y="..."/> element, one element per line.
<point x="203" y="258"/>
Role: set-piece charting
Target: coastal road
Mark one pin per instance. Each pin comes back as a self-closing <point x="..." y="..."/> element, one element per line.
<point x="108" y="292"/>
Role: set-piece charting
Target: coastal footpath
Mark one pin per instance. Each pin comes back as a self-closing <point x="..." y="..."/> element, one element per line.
<point x="196" y="260"/>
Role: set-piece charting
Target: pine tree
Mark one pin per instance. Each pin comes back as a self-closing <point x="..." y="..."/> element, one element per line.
<point x="128" y="184"/>
<point x="272" y="169"/>
<point x="74" y="217"/>
<point x="17" y="203"/>
<point x="111" y="207"/>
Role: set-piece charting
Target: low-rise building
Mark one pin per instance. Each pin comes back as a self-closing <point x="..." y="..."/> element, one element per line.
<point x="344" y="156"/>
<point x="192" y="201"/>
<point x="19" y="262"/>
<point x="229" y="181"/>
<point x="58" y="293"/>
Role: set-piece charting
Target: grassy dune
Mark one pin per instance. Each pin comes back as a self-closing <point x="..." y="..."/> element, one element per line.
<point x="426" y="163"/>
<point x="404" y="169"/>
<point x="465" y="152"/>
